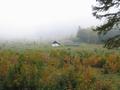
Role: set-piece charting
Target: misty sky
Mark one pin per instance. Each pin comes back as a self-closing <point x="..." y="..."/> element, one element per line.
<point x="44" y="18"/>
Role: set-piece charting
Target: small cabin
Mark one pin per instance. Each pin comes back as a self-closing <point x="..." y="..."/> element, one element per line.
<point x="55" y="44"/>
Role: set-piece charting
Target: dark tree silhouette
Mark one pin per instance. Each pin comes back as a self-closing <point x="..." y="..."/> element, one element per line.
<point x="110" y="11"/>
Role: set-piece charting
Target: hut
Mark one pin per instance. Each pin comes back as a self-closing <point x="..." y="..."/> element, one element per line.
<point x="55" y="44"/>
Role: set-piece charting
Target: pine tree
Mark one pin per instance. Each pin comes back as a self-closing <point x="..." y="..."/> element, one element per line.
<point x="109" y="10"/>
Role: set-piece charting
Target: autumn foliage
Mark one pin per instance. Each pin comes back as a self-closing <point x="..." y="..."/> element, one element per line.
<point x="57" y="69"/>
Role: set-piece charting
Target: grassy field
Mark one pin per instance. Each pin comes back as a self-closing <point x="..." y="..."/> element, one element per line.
<point x="35" y="67"/>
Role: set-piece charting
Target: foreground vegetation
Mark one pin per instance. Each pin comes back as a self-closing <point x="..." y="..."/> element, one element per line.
<point x="63" y="68"/>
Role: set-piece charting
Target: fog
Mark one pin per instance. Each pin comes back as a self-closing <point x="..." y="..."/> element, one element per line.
<point x="44" y="19"/>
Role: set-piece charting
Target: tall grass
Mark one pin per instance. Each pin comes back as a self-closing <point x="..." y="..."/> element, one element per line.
<point x="58" y="69"/>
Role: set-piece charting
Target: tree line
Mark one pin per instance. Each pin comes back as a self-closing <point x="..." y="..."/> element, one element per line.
<point x="87" y="35"/>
